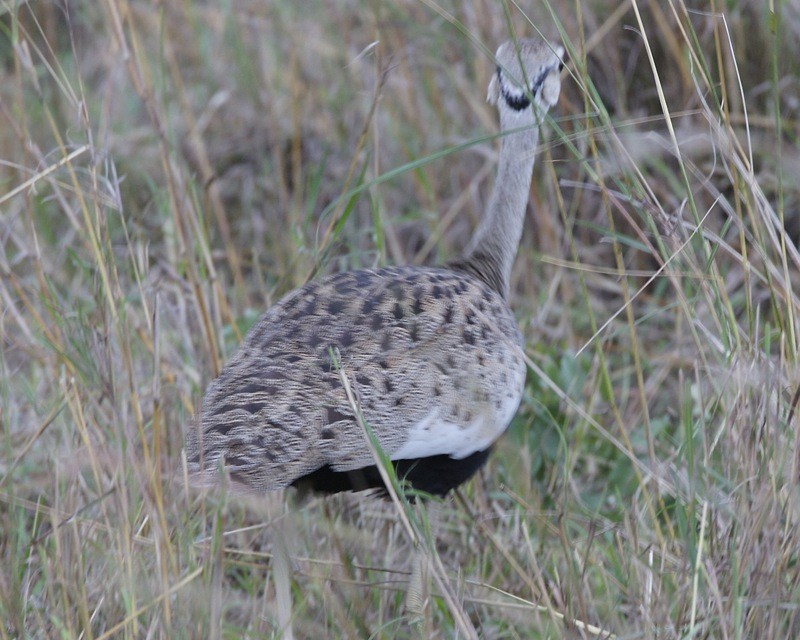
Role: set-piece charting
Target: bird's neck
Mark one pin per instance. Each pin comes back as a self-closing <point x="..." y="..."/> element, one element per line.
<point x="491" y="252"/>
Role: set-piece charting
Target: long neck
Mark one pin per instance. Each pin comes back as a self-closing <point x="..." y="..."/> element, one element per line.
<point x="491" y="252"/>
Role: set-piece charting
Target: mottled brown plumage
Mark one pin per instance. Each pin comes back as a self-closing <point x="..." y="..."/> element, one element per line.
<point x="433" y="354"/>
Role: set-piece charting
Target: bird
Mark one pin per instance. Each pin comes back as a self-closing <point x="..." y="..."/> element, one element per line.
<point x="432" y="354"/>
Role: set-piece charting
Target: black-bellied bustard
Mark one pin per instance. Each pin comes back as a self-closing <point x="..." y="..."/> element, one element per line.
<point x="432" y="354"/>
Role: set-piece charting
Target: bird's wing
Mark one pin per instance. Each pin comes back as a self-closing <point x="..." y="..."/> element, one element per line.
<point x="431" y="355"/>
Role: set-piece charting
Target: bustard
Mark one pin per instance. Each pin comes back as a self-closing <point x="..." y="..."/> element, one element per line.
<point x="433" y="354"/>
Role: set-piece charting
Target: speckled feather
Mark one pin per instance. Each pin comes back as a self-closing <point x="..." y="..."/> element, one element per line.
<point x="410" y="339"/>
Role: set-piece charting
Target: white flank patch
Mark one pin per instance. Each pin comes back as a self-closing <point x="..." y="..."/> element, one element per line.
<point x="433" y="436"/>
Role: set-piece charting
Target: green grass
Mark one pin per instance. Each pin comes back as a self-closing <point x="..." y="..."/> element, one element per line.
<point x="168" y="170"/>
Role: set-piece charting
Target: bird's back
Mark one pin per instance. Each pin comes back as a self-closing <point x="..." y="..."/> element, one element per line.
<point x="433" y="358"/>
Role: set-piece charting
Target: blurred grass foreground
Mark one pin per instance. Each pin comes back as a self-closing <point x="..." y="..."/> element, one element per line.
<point x="170" y="169"/>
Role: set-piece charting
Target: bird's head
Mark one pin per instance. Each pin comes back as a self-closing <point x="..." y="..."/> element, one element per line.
<point x="527" y="74"/>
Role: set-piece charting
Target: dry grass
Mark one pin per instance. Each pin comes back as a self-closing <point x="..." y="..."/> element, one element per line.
<point x="170" y="169"/>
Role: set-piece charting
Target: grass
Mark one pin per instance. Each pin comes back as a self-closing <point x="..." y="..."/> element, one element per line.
<point x="169" y="170"/>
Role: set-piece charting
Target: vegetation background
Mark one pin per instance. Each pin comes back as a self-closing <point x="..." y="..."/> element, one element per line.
<point x="169" y="169"/>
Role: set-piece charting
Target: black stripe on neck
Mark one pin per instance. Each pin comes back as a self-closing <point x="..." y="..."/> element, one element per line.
<point x="515" y="102"/>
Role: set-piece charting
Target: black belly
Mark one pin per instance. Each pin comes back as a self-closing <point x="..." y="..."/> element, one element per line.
<point x="435" y="475"/>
